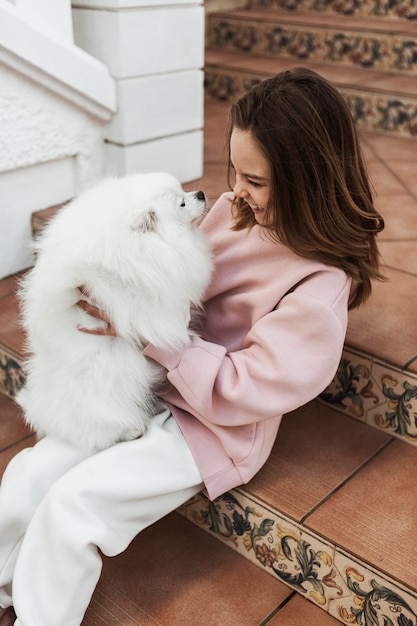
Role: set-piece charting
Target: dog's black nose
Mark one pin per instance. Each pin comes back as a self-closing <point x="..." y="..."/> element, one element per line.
<point x="200" y="195"/>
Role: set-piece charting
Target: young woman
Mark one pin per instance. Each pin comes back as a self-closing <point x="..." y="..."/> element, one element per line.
<point x="294" y="247"/>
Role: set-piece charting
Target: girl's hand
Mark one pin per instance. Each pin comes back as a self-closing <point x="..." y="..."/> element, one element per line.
<point x="107" y="329"/>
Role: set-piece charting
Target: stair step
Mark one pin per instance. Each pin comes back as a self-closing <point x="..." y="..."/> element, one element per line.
<point x="347" y="41"/>
<point x="380" y="102"/>
<point x="40" y="218"/>
<point x="332" y="514"/>
<point x="396" y="10"/>
<point x="11" y="338"/>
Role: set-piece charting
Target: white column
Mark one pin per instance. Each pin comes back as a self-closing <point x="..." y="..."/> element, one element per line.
<point x="55" y="15"/>
<point x="155" y="51"/>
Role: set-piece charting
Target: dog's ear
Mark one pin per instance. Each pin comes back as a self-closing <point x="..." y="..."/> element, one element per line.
<point x="146" y="223"/>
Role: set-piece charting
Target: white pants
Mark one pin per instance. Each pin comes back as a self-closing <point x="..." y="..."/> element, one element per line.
<point x="59" y="507"/>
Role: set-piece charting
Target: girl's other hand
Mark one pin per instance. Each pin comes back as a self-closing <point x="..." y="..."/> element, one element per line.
<point x="107" y="329"/>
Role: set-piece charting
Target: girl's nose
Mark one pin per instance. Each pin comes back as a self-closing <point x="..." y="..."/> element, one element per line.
<point x="240" y="190"/>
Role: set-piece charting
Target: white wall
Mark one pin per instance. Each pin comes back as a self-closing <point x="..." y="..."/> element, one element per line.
<point x="54" y="102"/>
<point x="49" y="149"/>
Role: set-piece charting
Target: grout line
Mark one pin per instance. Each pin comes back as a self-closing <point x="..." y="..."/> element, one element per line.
<point x="346" y="480"/>
<point x="277" y="610"/>
<point x="382" y="160"/>
<point x="409" y="362"/>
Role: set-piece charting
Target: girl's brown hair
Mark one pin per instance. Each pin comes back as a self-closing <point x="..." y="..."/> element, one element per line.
<point x="321" y="202"/>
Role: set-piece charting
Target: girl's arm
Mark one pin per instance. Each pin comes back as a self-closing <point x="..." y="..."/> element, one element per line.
<point x="289" y="357"/>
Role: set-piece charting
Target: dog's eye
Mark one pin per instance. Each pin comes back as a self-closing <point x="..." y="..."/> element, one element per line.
<point x="182" y="203"/>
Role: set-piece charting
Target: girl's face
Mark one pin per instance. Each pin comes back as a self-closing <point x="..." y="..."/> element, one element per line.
<point x="252" y="172"/>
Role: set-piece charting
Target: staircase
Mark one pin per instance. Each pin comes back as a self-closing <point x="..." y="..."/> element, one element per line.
<point x="332" y="516"/>
<point x="368" y="49"/>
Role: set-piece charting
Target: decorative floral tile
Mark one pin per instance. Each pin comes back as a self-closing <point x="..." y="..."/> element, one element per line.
<point x="398" y="413"/>
<point x="377" y="393"/>
<point x="374" y="112"/>
<point x="352" y="390"/>
<point x="373" y="600"/>
<point x="378" y="112"/>
<point x="348" y="589"/>
<point x="379" y="51"/>
<point x="282" y="547"/>
<point x="227" y="85"/>
<point x="11" y="374"/>
<point x="405" y="9"/>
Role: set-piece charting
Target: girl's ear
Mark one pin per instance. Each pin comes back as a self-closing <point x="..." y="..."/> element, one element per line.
<point x="146" y="223"/>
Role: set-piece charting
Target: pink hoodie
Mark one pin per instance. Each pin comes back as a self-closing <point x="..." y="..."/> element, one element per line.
<point x="271" y="340"/>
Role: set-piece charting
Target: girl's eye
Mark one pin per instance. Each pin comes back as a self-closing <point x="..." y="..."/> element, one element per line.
<point x="254" y="184"/>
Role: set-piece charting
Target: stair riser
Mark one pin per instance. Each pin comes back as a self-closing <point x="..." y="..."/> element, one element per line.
<point x="402" y="9"/>
<point x="379" y="51"/>
<point x="376" y="112"/>
<point x="11" y="372"/>
<point x="322" y="572"/>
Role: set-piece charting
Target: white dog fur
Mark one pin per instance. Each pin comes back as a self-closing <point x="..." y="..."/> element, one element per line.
<point x="133" y="242"/>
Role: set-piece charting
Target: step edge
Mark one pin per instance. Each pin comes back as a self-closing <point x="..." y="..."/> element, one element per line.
<point x="232" y="57"/>
<point x="199" y="509"/>
<point x="315" y="20"/>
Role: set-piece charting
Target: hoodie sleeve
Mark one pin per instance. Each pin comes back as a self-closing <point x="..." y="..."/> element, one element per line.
<point x="289" y="356"/>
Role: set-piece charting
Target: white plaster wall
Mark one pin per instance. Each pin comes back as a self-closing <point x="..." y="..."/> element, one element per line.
<point x="39" y="132"/>
<point x="36" y="126"/>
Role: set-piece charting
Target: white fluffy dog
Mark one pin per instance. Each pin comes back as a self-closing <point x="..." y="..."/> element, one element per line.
<point x="134" y="244"/>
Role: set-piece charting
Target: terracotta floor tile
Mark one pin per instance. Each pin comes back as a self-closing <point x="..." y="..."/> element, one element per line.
<point x="401" y="255"/>
<point x="300" y="612"/>
<point x="375" y="514"/>
<point x="400" y="215"/>
<point x="175" y="574"/>
<point x="384" y="181"/>
<point x="406" y="172"/>
<point x="12" y="426"/>
<point x="368" y="151"/>
<point x="213" y="183"/>
<point x="9" y="285"/>
<point x="215" y="131"/>
<point x="392" y="148"/>
<point x="385" y="326"/>
<point x="317" y="448"/>
<point x="396" y="83"/>
<point x="10" y="331"/>
<point x="239" y="61"/>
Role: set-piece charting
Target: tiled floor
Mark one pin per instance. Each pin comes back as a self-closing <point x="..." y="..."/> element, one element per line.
<point x="337" y="476"/>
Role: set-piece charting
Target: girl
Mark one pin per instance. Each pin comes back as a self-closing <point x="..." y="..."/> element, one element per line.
<point x="294" y="247"/>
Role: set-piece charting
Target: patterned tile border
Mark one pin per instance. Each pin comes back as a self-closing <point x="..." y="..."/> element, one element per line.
<point x="379" y="394"/>
<point x="11" y="375"/>
<point x="371" y="111"/>
<point x="373" y="599"/>
<point x="380" y="51"/>
<point x="346" y="588"/>
<point x="404" y="9"/>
